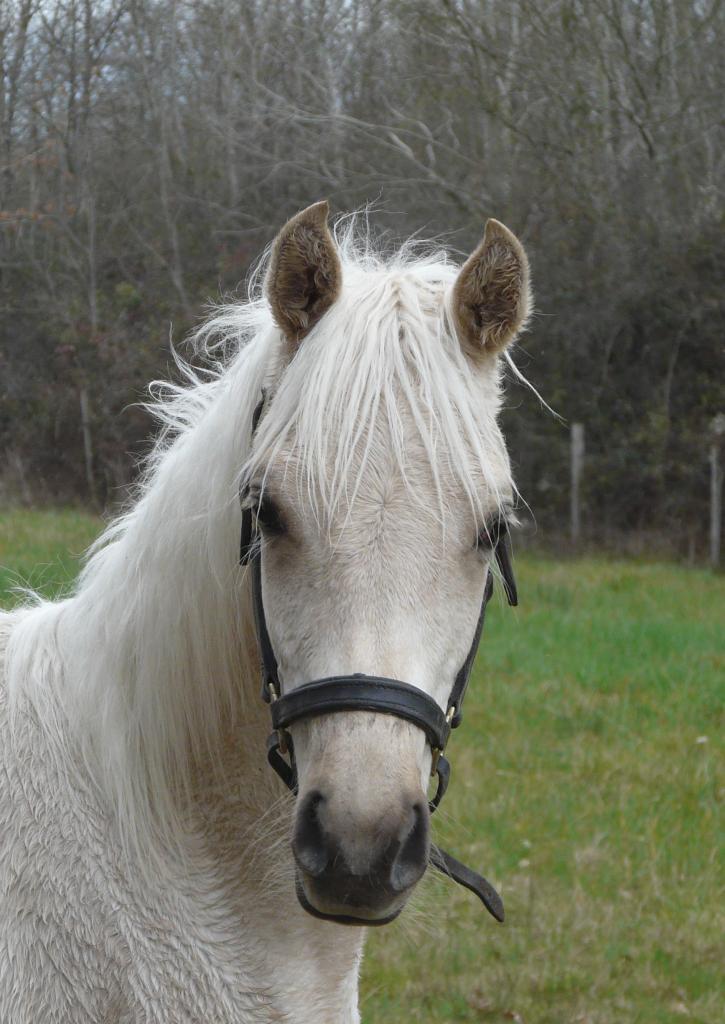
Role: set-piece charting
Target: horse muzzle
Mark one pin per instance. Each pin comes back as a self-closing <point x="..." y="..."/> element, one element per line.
<point x="358" y="871"/>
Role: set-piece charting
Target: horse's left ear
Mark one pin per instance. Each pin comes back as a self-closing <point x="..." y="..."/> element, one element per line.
<point x="491" y="298"/>
<point x="304" y="275"/>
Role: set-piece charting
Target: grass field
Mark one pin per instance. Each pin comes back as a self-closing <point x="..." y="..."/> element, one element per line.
<point x="586" y="783"/>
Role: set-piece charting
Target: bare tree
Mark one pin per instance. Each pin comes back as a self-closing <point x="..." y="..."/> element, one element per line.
<point x="150" y="148"/>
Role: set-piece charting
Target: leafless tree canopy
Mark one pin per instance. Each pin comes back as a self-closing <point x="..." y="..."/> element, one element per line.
<point x="149" y="149"/>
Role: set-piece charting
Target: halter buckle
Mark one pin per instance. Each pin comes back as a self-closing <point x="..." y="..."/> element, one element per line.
<point x="281" y="733"/>
<point x="437" y="751"/>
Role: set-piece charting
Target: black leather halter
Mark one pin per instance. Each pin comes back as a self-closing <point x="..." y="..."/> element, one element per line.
<point x="360" y="692"/>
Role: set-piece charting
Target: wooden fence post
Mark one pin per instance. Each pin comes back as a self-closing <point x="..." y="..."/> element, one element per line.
<point x="577" y="460"/>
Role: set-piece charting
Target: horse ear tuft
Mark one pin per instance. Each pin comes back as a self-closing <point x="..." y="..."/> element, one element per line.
<point x="491" y="297"/>
<point x="304" y="275"/>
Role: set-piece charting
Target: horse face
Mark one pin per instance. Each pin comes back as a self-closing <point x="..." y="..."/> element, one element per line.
<point x="381" y="591"/>
<point x="386" y="577"/>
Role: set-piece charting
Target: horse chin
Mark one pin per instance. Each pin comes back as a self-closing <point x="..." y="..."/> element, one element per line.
<point x="341" y="914"/>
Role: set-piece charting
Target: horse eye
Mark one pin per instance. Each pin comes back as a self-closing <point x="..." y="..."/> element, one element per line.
<point x="269" y="516"/>
<point x="490" y="534"/>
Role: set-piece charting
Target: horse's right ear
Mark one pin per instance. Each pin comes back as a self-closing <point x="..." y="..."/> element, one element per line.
<point x="304" y="275"/>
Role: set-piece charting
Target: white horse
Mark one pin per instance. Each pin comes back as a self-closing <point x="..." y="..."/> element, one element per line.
<point x="147" y="872"/>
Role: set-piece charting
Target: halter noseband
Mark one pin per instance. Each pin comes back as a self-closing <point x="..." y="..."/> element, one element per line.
<point x="359" y="692"/>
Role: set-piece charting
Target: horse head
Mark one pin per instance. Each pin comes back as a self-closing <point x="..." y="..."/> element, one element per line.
<point x="379" y="485"/>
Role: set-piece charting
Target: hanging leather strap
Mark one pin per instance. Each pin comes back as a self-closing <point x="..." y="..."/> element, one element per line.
<point x="470" y="879"/>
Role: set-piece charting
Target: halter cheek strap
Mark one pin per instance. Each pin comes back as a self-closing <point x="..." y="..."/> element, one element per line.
<point x="377" y="694"/>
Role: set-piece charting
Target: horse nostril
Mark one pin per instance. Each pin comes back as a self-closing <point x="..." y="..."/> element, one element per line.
<point x="412" y="858"/>
<point x="309" y="844"/>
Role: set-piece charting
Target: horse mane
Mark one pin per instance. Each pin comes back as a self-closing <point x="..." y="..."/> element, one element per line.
<point x="149" y="661"/>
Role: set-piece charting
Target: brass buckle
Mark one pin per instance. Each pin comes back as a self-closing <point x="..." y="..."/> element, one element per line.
<point x="281" y="734"/>
<point x="437" y="751"/>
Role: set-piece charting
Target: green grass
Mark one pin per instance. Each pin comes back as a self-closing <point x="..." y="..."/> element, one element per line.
<point x="586" y="784"/>
<point x="41" y="549"/>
